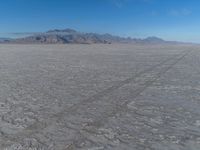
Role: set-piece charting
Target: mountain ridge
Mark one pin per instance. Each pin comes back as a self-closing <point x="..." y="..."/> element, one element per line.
<point x="71" y="36"/>
<point x="2" y="39"/>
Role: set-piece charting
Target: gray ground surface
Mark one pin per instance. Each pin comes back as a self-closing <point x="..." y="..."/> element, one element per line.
<point x="96" y="97"/>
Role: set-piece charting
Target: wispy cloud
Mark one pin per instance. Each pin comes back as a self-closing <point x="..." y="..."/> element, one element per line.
<point x="154" y="13"/>
<point x="181" y="12"/>
<point x="121" y="3"/>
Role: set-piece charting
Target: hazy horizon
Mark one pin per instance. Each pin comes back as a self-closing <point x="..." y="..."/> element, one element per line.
<point x="170" y="20"/>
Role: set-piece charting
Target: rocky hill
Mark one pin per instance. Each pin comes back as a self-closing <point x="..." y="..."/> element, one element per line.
<point x="67" y="36"/>
<point x="2" y="40"/>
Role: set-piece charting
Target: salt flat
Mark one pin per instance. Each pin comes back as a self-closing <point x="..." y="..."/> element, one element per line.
<point x="96" y="97"/>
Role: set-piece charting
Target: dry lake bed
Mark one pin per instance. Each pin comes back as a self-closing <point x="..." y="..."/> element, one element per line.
<point x="99" y="97"/>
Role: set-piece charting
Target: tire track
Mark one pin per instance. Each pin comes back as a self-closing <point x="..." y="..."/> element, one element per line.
<point x="113" y="88"/>
<point x="39" y="126"/>
<point x="99" y="122"/>
<point x="137" y="92"/>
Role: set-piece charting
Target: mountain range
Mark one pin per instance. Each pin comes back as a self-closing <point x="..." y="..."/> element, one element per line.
<point x="2" y="40"/>
<point x="71" y="36"/>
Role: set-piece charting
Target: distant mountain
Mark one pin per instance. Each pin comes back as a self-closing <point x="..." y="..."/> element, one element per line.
<point x="67" y="31"/>
<point x="64" y="37"/>
<point x="3" y="40"/>
<point x="72" y="36"/>
<point x="154" y="39"/>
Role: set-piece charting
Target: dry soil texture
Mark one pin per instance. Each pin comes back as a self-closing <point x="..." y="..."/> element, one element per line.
<point x="96" y="97"/>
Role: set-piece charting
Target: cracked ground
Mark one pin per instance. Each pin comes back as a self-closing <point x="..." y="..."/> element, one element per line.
<point x="99" y="97"/>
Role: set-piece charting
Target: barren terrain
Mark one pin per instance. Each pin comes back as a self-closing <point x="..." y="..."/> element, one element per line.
<point x="99" y="97"/>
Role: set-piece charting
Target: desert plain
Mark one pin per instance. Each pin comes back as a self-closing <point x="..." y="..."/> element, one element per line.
<point x="99" y="97"/>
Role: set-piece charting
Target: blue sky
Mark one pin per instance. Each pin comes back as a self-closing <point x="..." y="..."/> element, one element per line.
<point x="169" y="19"/>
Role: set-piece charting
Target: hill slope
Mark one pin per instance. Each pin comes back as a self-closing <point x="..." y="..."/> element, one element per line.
<point x="72" y="36"/>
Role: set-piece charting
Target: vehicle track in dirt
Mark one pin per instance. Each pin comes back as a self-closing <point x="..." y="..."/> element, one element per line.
<point x="39" y="126"/>
<point x="100" y="121"/>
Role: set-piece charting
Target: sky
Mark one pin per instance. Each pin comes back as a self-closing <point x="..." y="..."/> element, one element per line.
<point x="169" y="19"/>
